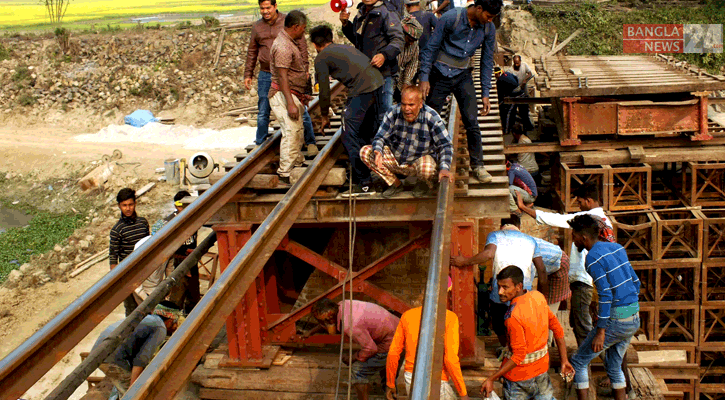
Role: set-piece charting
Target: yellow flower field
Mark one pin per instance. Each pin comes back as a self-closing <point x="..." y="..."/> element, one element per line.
<point x="19" y="13"/>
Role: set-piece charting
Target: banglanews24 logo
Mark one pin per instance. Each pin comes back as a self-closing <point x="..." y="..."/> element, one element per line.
<point x="672" y="38"/>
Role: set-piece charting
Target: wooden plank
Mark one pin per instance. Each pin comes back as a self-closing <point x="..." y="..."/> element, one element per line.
<point x="220" y="44"/>
<point x="549" y="147"/>
<point x="612" y="90"/>
<point x="645" y="385"/>
<point x="708" y="153"/>
<point x="259" y="181"/>
<point x="565" y="42"/>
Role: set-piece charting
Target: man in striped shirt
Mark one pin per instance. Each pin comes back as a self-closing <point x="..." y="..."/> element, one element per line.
<point x="129" y="229"/>
<point x="618" y="314"/>
<point x="410" y="140"/>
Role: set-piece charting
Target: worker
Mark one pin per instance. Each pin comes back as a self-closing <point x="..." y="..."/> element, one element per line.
<point x="377" y="33"/>
<point x="508" y="246"/>
<point x="408" y="58"/>
<point x="443" y="7"/>
<point x="521" y="183"/>
<point x="186" y="293"/>
<point x="506" y="84"/>
<point x="528" y="320"/>
<point x="410" y="140"/>
<point x="618" y="306"/>
<point x="370" y="326"/>
<point x="526" y="159"/>
<point x="152" y="281"/>
<point x="406" y="339"/>
<point x="446" y="65"/>
<point x="523" y="73"/>
<point x="287" y="94"/>
<point x="363" y="109"/>
<point x="556" y="263"/>
<point x="264" y="32"/>
<point x="127" y="362"/>
<point x="426" y="19"/>
<point x="129" y="229"/>
<point x="581" y="284"/>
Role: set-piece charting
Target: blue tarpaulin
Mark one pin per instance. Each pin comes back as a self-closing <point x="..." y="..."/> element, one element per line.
<point x="140" y="118"/>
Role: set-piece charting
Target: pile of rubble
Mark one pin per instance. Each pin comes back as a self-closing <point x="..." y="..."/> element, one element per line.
<point x="155" y="69"/>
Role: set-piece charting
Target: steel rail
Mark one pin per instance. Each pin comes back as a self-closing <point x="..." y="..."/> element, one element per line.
<point x="164" y="377"/>
<point x="109" y="345"/>
<point x="20" y="369"/>
<point x="429" y="353"/>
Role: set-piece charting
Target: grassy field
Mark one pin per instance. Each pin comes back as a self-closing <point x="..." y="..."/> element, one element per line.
<point x="25" y="14"/>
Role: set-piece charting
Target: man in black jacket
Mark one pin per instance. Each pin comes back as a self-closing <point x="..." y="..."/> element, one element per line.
<point x="377" y="33"/>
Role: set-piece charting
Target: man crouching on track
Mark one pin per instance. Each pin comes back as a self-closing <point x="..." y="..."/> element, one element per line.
<point x="372" y="327"/>
<point x="363" y="109"/>
<point x="409" y="138"/>
<point x="526" y="359"/>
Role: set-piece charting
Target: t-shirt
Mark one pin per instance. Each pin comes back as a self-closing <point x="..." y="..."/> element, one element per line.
<point x="524" y="70"/>
<point x="138" y="349"/>
<point x="285" y="54"/>
<point x="372" y="327"/>
<point x="512" y="248"/>
<point x="617" y="283"/>
<point x="528" y="160"/>
<point x="528" y="322"/>
<point x="550" y="255"/>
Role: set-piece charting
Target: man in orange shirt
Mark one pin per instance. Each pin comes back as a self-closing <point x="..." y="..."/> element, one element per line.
<point x="406" y="338"/>
<point x="526" y="359"/>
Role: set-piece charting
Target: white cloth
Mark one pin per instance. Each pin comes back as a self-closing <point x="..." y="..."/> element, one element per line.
<point x="577" y="269"/>
<point x="153" y="280"/>
<point x="527" y="160"/>
<point x="447" y="392"/>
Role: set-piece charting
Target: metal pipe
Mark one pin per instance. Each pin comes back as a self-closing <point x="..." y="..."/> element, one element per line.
<point x="429" y="353"/>
<point x="165" y="375"/>
<point x="111" y="343"/>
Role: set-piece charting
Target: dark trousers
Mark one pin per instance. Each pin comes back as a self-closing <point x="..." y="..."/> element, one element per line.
<point x="186" y="293"/>
<point x="579" y="317"/>
<point x="361" y="118"/>
<point x="130" y="304"/>
<point x="462" y="87"/>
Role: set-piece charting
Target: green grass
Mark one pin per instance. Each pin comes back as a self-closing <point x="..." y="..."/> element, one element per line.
<point x="603" y="29"/>
<point x="44" y="231"/>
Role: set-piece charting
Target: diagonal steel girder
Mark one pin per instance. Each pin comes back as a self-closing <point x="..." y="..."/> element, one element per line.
<point x="167" y="372"/>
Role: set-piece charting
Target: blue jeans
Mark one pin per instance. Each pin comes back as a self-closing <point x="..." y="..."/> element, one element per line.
<point x="462" y="87"/>
<point x="616" y="340"/>
<point x="537" y="388"/>
<point x="388" y="89"/>
<point x="264" y="82"/>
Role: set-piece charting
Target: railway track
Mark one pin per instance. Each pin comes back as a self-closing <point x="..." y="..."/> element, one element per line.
<point x="167" y="373"/>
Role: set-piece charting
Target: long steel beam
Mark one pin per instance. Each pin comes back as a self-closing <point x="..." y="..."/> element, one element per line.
<point x="20" y="369"/>
<point x="165" y="375"/>
<point x="429" y="353"/>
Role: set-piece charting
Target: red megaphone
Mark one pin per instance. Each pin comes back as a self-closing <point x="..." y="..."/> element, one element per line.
<point x="339" y="5"/>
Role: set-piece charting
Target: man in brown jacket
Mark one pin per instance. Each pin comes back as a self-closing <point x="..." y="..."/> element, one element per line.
<point x="264" y="31"/>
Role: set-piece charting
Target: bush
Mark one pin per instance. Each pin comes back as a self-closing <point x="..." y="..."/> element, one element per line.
<point x="21" y="73"/>
<point x="62" y="35"/>
<point x="210" y="22"/>
<point x="26" y="100"/>
<point x="4" y="53"/>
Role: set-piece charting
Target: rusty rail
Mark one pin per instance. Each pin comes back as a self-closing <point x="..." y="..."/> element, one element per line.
<point x="20" y="369"/>
<point x="429" y="353"/>
<point x="162" y="378"/>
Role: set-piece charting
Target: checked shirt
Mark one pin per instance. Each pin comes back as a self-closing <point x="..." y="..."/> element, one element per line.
<point x="427" y="135"/>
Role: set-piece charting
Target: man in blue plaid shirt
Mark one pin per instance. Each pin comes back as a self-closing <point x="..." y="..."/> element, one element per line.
<point x="411" y="138"/>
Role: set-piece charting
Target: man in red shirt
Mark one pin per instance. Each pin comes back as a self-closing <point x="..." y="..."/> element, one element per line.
<point x="526" y="360"/>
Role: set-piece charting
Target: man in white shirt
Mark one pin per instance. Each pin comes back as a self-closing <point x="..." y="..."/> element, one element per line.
<point x="523" y="73"/>
<point x="587" y="195"/>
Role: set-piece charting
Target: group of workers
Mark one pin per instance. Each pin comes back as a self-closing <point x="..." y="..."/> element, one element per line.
<point x="524" y="319"/>
<point x="399" y="71"/>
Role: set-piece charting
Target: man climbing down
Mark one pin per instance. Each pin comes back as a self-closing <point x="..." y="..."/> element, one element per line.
<point x="618" y="312"/>
<point x="371" y="327"/>
<point x="446" y="68"/>
<point x="528" y="321"/>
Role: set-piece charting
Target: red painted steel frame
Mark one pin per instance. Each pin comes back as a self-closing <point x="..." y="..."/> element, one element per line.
<point x="258" y="323"/>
